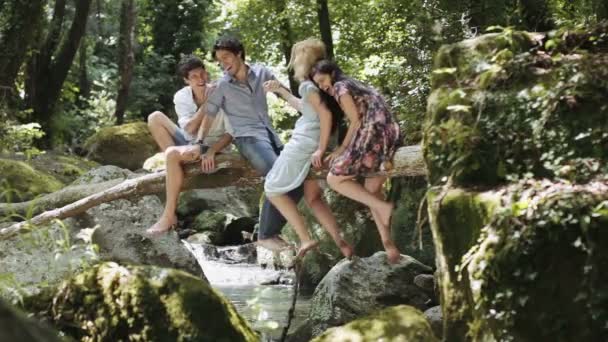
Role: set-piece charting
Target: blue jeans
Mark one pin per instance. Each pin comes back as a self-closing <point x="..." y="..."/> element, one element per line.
<point x="261" y="155"/>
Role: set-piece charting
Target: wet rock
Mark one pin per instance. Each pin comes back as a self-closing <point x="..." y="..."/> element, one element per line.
<point x="242" y="254"/>
<point x="435" y="318"/>
<point x="358" y="287"/>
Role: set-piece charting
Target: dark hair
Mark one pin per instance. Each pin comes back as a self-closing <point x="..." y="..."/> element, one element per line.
<point x="189" y="63"/>
<point x="337" y="75"/>
<point x="228" y="43"/>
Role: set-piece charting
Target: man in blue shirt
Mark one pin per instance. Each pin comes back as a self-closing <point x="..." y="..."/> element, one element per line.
<point x="240" y="94"/>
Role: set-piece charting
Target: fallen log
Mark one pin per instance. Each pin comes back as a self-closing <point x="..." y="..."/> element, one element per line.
<point x="231" y="170"/>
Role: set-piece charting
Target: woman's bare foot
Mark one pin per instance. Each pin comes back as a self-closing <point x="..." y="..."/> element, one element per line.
<point x="392" y="253"/>
<point x="386" y="211"/>
<point x="305" y="247"/>
<point x="162" y="226"/>
<point x="345" y="248"/>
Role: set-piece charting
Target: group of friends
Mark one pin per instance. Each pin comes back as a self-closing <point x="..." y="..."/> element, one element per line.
<point x="234" y="110"/>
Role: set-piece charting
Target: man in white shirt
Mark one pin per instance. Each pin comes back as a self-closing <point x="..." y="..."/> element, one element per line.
<point x="179" y="143"/>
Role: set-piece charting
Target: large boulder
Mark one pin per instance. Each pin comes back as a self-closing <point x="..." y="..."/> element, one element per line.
<point x="65" y="167"/>
<point x="516" y="147"/>
<point x="120" y="229"/>
<point x="358" y="287"/>
<point x="110" y="302"/>
<point x="15" y="326"/>
<point x="127" y="146"/>
<point x="25" y="181"/>
<point x="244" y="201"/>
<point x="43" y="257"/>
<point x="395" y="324"/>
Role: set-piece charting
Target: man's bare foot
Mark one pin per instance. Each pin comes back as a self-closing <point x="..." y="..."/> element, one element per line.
<point x="386" y="211"/>
<point x="162" y="226"/>
<point x="346" y="249"/>
<point x="275" y="244"/>
<point x="305" y="247"/>
<point x="392" y="253"/>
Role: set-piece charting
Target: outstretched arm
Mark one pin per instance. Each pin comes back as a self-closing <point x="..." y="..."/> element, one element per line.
<point x="281" y="91"/>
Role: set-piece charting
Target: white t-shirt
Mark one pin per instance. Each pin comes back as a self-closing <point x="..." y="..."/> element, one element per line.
<point x="185" y="108"/>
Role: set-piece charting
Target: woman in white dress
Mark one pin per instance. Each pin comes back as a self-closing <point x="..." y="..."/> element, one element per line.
<point x="307" y="145"/>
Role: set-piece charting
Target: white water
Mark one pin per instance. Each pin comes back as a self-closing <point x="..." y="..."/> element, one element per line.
<point x="264" y="306"/>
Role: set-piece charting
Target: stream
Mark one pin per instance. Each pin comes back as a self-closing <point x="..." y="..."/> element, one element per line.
<point x="265" y="307"/>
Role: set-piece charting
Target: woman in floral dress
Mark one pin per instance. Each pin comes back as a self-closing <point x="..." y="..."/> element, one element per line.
<point x="369" y="146"/>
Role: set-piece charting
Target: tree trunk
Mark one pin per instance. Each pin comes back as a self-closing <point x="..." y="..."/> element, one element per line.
<point x="126" y="57"/>
<point x="84" y="86"/>
<point x="232" y="170"/>
<point x="287" y="40"/>
<point x="49" y="68"/>
<point x="325" y="27"/>
<point x="16" y="37"/>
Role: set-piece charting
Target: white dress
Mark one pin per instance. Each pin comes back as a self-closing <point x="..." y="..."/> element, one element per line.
<point x="291" y="167"/>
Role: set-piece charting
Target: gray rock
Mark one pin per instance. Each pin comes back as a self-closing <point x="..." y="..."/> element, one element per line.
<point x="242" y="254"/>
<point x="102" y="174"/>
<point x="435" y="318"/>
<point x="45" y="256"/>
<point x="427" y="283"/>
<point x="355" y="288"/>
<point x="121" y="236"/>
<point x="243" y="201"/>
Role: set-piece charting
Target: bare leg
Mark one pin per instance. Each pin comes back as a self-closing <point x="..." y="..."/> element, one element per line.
<point x="348" y="187"/>
<point x="289" y="210"/>
<point x="162" y="129"/>
<point x="314" y="200"/>
<point x="175" y="156"/>
<point x="374" y="186"/>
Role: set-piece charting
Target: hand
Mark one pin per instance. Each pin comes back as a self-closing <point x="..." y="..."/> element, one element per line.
<point x="317" y="158"/>
<point x="334" y="155"/>
<point x="208" y="161"/>
<point x="272" y="85"/>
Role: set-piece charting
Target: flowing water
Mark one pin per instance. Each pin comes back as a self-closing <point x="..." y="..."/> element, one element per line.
<point x="265" y="307"/>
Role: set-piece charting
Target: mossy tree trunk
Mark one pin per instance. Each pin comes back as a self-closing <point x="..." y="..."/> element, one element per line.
<point x="287" y="39"/>
<point x="325" y="27"/>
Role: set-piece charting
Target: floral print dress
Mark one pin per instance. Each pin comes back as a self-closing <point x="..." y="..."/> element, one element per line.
<point x="373" y="145"/>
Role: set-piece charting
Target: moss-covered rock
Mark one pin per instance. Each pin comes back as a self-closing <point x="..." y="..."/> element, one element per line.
<point x="24" y="181"/>
<point x="127" y="145"/>
<point x="527" y="109"/>
<point x="509" y="105"/>
<point x="538" y="271"/>
<point x="111" y="302"/>
<point x="65" y="167"/>
<point x="394" y="324"/>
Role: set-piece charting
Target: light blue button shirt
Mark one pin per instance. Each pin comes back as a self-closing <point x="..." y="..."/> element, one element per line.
<point x="245" y="104"/>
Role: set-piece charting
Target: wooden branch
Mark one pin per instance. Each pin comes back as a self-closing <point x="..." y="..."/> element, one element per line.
<point x="232" y="170"/>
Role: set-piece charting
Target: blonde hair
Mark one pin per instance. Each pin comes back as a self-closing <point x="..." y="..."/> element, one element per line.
<point x="304" y="55"/>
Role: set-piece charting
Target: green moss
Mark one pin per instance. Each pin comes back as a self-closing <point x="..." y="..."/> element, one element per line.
<point x="538" y="270"/>
<point x="127" y="146"/>
<point x="110" y="302"/>
<point x="397" y="323"/>
<point x="456" y="218"/>
<point x="26" y="182"/>
<point x="501" y="111"/>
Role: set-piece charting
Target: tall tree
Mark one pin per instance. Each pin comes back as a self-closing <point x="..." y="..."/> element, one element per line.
<point x="126" y="55"/>
<point x="286" y="38"/>
<point x="325" y="27"/>
<point x="21" y="22"/>
<point x="49" y="67"/>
